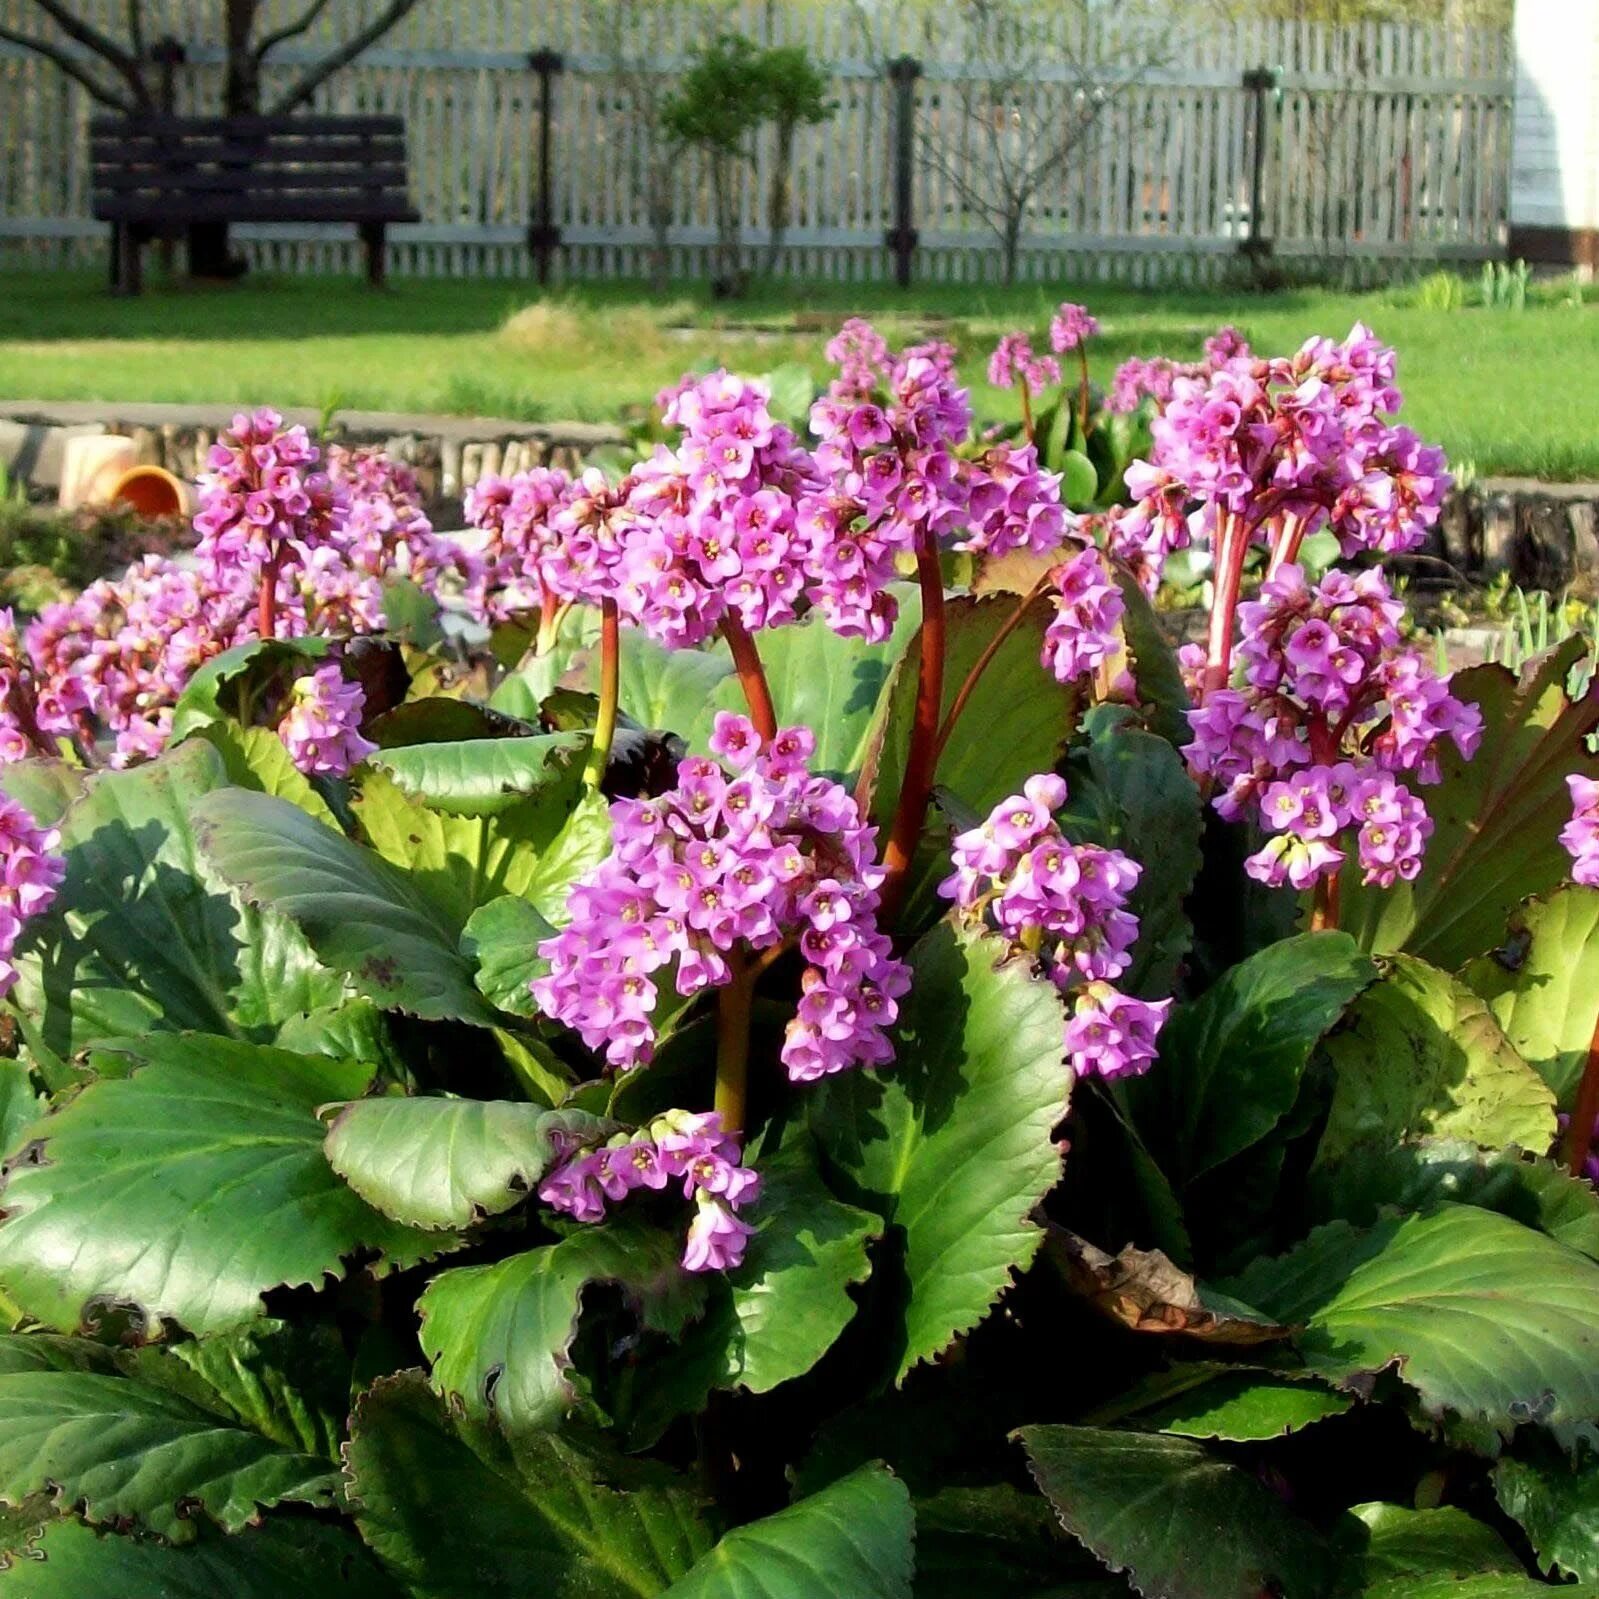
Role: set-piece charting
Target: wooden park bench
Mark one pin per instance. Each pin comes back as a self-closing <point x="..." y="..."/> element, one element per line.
<point x="154" y="176"/>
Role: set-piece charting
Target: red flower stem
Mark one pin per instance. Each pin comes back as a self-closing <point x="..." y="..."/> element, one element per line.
<point x="733" y="1041"/>
<point x="751" y="677"/>
<point x="1231" y="546"/>
<point x="610" y="692"/>
<point x="1082" y="390"/>
<point x="922" y="759"/>
<point x="984" y="661"/>
<point x="549" y="621"/>
<point x="1579" y="1130"/>
<point x="1324" y="906"/>
<point x="1285" y="547"/>
<point x="266" y="614"/>
<point x="1027" y="409"/>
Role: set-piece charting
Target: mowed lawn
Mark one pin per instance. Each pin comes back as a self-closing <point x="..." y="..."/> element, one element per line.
<point x="1510" y="392"/>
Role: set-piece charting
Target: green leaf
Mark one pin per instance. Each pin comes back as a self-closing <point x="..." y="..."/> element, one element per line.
<point x="20" y="1103"/>
<point x="362" y="915"/>
<point x="502" y="940"/>
<point x="830" y="684"/>
<point x="446" y="1163"/>
<point x="1244" y="1407"/>
<point x="1557" y="1504"/>
<point x="1542" y="984"/>
<point x="1015" y="724"/>
<point x="485" y="776"/>
<point x="145" y="934"/>
<point x="1412" y="1176"/>
<point x="1448" y="1586"/>
<point x="499" y="1337"/>
<point x="356" y="1030"/>
<point x="437" y="720"/>
<point x="772" y="1318"/>
<point x="44" y="788"/>
<point x="1420" y="1056"/>
<point x="457" y="1513"/>
<point x="122" y="1451"/>
<point x="668" y="689"/>
<point x="188" y="1189"/>
<point x="1182" y="1523"/>
<point x="1496" y="818"/>
<point x="1079" y="480"/>
<point x="285" y="1556"/>
<point x="952" y="1144"/>
<point x="1231" y="1062"/>
<point x="217" y="690"/>
<point x="1483" y="1317"/>
<point x="1381" y="1543"/>
<point x="854" y="1537"/>
<point x="537" y="847"/>
<point x="792" y="389"/>
<point x="1139" y="798"/>
<point x="1162" y="699"/>
<point x="256" y="758"/>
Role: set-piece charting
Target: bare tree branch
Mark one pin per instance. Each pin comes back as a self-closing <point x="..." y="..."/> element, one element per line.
<point x="103" y="45"/>
<point x="136" y="28"/>
<point x="292" y="30"/>
<point x="391" y="15"/>
<point x="73" y="69"/>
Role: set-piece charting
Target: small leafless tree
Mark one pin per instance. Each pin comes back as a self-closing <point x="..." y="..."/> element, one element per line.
<point x="1031" y="96"/>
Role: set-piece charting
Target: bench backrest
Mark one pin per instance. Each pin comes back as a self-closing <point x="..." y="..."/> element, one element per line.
<point x="284" y="166"/>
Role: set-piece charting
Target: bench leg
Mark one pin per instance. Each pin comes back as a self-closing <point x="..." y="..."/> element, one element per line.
<point x="126" y="259"/>
<point x="374" y="235"/>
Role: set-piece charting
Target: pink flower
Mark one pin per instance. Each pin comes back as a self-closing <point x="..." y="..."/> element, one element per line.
<point x="322" y="728"/>
<point x="1070" y="326"/>
<point x="30" y="874"/>
<point x="1581" y="834"/>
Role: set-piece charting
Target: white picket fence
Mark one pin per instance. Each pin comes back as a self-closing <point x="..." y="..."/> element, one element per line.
<point x="1383" y="143"/>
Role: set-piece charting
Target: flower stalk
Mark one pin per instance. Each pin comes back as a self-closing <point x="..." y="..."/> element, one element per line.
<point x="267" y="603"/>
<point x="610" y="693"/>
<point x="1579" y="1130"/>
<point x="733" y="1042"/>
<point x="751" y="677"/>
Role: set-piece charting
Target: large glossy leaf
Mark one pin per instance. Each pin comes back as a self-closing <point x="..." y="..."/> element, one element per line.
<point x="1419" y="1056"/>
<point x="1016" y="723"/>
<point x="1180" y="1521"/>
<point x="257" y="758"/>
<point x="1497" y="818"/>
<point x="777" y="1314"/>
<point x="44" y="788"/>
<point x="457" y="1513"/>
<point x="536" y="847"/>
<point x="146" y="934"/>
<point x="502" y="941"/>
<point x="1136" y="796"/>
<point x="1542" y="984"/>
<point x="128" y="1453"/>
<point x="499" y="1337"/>
<point x="485" y="776"/>
<point x="1230" y="1063"/>
<point x="362" y="915"/>
<point x="952" y="1143"/>
<point x="668" y="689"/>
<point x="20" y="1103"/>
<point x="223" y="688"/>
<point x="1413" y="1176"/>
<point x="1556" y="1500"/>
<point x="854" y="1537"/>
<point x="445" y="1163"/>
<point x="285" y="1556"/>
<point x="1483" y="1317"/>
<point x="1382" y="1543"/>
<point x="1163" y="701"/>
<point x="1237" y="1406"/>
<point x="187" y="1190"/>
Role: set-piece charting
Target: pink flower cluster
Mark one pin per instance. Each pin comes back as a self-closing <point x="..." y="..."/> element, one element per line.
<point x="1331" y="706"/>
<point x="680" y="1145"/>
<point x="261" y="500"/>
<point x="1581" y="834"/>
<point x="30" y="873"/>
<point x="1154" y="379"/>
<point x="515" y="516"/>
<point x="1070" y="327"/>
<point x="36" y="708"/>
<point x="722" y="866"/>
<point x="1086" y="628"/>
<point x="1013" y="362"/>
<point x="321" y="728"/>
<point x="1291" y="446"/>
<point x="1065" y="904"/>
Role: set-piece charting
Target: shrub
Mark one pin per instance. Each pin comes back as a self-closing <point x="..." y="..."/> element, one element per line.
<point x="653" y="1052"/>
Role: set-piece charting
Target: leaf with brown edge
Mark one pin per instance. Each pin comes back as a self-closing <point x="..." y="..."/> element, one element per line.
<point x="1141" y="1289"/>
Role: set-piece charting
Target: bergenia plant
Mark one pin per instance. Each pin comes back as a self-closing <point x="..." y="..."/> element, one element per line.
<point x="750" y="1025"/>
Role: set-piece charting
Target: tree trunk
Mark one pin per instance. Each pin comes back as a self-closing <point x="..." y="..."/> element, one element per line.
<point x="727" y="281"/>
<point x="1010" y="244"/>
<point x="778" y="196"/>
<point x="209" y="252"/>
<point x="658" y="208"/>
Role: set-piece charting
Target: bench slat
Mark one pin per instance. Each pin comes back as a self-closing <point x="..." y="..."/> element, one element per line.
<point x="114" y="181"/>
<point x="291" y="125"/>
<point x="197" y="152"/>
<point x="170" y="208"/>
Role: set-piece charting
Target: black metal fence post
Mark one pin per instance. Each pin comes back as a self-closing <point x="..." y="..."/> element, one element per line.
<point x="543" y="235"/>
<point x="1257" y="244"/>
<point x="903" y="71"/>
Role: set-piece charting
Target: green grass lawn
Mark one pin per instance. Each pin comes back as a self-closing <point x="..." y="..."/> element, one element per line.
<point x="1514" y="392"/>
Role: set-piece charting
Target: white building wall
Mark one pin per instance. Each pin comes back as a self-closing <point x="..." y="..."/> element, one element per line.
<point x="1555" y="167"/>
